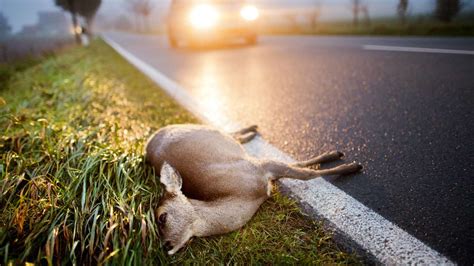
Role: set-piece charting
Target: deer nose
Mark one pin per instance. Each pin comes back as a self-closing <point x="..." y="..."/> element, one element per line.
<point x="167" y="246"/>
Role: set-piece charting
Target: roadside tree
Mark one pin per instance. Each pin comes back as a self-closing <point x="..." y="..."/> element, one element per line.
<point x="402" y="9"/>
<point x="80" y="8"/>
<point x="141" y="9"/>
<point x="314" y="15"/>
<point x="446" y="10"/>
<point x="5" y="28"/>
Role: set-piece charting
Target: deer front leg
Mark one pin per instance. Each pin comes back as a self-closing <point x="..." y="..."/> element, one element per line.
<point x="281" y="170"/>
<point x="323" y="158"/>
<point x="246" y="134"/>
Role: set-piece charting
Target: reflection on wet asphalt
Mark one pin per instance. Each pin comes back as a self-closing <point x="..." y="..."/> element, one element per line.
<point x="407" y="117"/>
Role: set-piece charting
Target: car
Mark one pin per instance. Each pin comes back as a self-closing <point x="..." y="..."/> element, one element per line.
<point x="205" y="21"/>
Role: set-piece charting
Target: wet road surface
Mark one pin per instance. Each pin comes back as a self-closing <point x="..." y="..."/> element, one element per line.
<point x="407" y="117"/>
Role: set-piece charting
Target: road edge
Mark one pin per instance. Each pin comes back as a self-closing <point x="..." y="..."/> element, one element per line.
<point x="379" y="238"/>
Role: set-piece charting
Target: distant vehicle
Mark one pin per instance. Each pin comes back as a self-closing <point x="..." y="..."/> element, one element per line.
<point x="204" y="21"/>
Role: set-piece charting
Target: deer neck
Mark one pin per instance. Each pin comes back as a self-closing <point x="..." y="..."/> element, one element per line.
<point x="221" y="216"/>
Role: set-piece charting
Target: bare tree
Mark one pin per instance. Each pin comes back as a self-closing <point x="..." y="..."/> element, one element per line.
<point x="355" y="12"/>
<point x="5" y="28"/>
<point x="292" y="19"/>
<point x="364" y="9"/>
<point x="358" y="7"/>
<point x="88" y="9"/>
<point x="446" y="10"/>
<point x="141" y="9"/>
<point x="314" y="15"/>
<point x="84" y="8"/>
<point x="402" y="10"/>
<point x="71" y="7"/>
<point x="122" y="23"/>
<point x="3" y="53"/>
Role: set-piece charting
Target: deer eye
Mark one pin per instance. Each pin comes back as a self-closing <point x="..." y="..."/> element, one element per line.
<point x="162" y="219"/>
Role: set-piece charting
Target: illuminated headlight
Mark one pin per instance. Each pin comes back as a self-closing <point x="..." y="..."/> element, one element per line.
<point x="203" y="16"/>
<point x="249" y="13"/>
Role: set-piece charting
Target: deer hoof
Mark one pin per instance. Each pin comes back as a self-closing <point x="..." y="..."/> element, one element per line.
<point x="357" y="166"/>
<point x="253" y="128"/>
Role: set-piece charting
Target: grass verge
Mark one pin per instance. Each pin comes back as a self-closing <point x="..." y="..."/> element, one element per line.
<point x="380" y="28"/>
<point x="74" y="187"/>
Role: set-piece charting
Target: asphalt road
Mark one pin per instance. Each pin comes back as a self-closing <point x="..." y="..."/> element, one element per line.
<point x="407" y="117"/>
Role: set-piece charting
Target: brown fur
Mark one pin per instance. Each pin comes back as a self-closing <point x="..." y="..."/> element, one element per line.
<point x="216" y="186"/>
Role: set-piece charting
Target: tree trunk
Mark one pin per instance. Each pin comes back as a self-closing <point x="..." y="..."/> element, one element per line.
<point x="446" y="10"/>
<point x="355" y="12"/>
<point x="77" y="34"/>
<point x="72" y="4"/>
<point x="402" y="11"/>
<point x="90" y="25"/>
<point x="365" y="11"/>
<point x="3" y="48"/>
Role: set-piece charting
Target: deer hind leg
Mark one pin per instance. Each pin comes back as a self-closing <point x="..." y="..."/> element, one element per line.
<point x="246" y="137"/>
<point x="281" y="170"/>
<point x="323" y="158"/>
<point x="246" y="134"/>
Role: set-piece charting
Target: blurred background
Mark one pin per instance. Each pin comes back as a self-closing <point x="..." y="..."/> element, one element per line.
<point x="33" y="27"/>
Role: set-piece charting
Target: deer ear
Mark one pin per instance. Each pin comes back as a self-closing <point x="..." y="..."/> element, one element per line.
<point x="170" y="178"/>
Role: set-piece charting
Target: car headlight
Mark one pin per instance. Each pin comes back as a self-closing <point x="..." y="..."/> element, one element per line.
<point x="203" y="16"/>
<point x="249" y="13"/>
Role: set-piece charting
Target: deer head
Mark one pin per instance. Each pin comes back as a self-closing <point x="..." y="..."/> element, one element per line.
<point x="175" y="215"/>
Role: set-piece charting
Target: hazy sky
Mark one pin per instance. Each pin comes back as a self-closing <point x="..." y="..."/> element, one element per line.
<point x="21" y="12"/>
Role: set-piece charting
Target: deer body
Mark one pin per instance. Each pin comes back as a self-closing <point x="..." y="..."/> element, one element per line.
<point x="212" y="185"/>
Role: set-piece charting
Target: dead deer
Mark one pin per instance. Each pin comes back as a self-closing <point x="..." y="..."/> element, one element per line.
<point x="212" y="186"/>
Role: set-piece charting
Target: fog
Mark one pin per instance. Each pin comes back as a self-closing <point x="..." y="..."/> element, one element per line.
<point x="23" y="12"/>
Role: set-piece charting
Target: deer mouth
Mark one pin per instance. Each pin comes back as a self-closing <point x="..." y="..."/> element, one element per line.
<point x="167" y="246"/>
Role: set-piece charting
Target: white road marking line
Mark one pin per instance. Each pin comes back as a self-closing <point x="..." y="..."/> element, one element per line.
<point x="416" y="49"/>
<point x="387" y="242"/>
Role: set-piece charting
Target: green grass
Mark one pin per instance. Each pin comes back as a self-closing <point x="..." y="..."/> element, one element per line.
<point x="74" y="187"/>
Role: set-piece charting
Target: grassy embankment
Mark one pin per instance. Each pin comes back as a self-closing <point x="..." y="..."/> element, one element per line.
<point x="74" y="187"/>
<point x="415" y="26"/>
